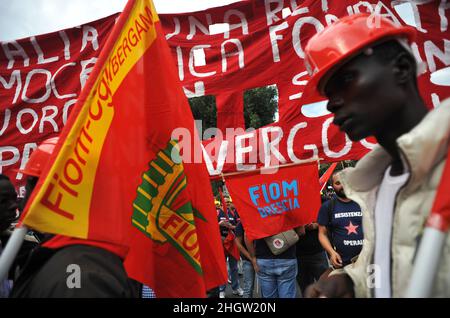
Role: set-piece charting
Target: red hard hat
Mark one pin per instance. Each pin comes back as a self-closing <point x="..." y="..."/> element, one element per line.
<point x="343" y="40"/>
<point x="40" y="157"/>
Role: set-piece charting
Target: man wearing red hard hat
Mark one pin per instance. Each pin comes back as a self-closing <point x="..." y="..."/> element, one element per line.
<point x="364" y="66"/>
<point x="47" y="272"/>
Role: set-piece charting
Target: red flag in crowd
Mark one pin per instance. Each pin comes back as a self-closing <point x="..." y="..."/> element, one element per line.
<point x="273" y="203"/>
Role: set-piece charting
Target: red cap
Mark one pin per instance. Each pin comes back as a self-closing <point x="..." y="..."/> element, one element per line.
<point x="343" y="40"/>
<point x="40" y="157"/>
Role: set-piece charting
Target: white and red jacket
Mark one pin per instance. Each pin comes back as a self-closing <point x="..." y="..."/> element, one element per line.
<point x="424" y="151"/>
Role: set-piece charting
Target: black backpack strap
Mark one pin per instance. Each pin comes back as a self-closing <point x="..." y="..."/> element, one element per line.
<point x="330" y="219"/>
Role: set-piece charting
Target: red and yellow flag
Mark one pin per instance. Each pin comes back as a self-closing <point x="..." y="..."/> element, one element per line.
<point x="117" y="175"/>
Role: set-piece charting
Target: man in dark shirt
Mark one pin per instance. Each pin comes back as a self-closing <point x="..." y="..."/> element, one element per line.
<point x="341" y="219"/>
<point x="311" y="258"/>
<point x="227" y="221"/>
<point x="8" y="203"/>
<point x="248" y="263"/>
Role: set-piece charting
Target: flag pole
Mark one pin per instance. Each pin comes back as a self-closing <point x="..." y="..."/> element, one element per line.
<point x="11" y="249"/>
<point x="428" y="256"/>
<point x="238" y="173"/>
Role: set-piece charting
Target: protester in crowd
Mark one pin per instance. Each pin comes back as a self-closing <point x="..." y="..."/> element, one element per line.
<point x="227" y="222"/>
<point x="312" y="260"/>
<point x="47" y="273"/>
<point x="365" y="67"/>
<point x="218" y="206"/>
<point x="215" y="292"/>
<point x="233" y="212"/>
<point x="8" y="203"/>
<point x="8" y="208"/>
<point x="327" y="194"/>
<point x="276" y="273"/>
<point x="248" y="263"/>
<point x="340" y="227"/>
<point x="9" y="214"/>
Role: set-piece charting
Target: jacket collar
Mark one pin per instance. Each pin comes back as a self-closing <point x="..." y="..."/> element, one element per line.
<point x="422" y="148"/>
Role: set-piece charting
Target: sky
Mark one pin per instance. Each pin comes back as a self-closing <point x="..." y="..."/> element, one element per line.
<point x="24" y="18"/>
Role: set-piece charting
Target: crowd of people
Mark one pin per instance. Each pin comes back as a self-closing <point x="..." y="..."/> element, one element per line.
<point x="372" y="228"/>
<point x="375" y="216"/>
<point x="332" y="242"/>
<point x="277" y="275"/>
<point x="40" y="269"/>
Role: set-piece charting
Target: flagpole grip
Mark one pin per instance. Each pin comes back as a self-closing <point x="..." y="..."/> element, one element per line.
<point x="426" y="263"/>
<point x="11" y="249"/>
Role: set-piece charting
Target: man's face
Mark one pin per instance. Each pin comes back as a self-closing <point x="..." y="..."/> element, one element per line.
<point x="338" y="188"/>
<point x="8" y="204"/>
<point x="363" y="96"/>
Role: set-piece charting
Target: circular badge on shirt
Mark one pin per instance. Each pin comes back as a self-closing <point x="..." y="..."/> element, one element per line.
<point x="278" y="243"/>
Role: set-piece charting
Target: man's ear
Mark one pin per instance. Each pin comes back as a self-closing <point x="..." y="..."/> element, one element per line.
<point x="404" y="68"/>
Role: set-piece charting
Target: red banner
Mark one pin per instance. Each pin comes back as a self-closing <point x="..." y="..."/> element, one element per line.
<point x="40" y="80"/>
<point x="112" y="181"/>
<point x="40" y="77"/>
<point x="262" y="43"/>
<point x="272" y="203"/>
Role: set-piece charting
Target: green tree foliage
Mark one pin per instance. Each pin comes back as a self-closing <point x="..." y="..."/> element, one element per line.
<point x="204" y="108"/>
<point x="260" y="106"/>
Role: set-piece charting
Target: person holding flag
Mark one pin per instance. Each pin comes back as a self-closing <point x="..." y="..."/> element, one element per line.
<point x="45" y="275"/>
<point x="365" y="67"/>
<point x="228" y="221"/>
<point x="8" y="209"/>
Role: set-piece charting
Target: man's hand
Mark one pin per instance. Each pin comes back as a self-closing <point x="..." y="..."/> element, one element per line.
<point x="300" y="230"/>
<point x="227" y="224"/>
<point x="312" y="226"/>
<point x="255" y="265"/>
<point x="336" y="259"/>
<point x="336" y="286"/>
